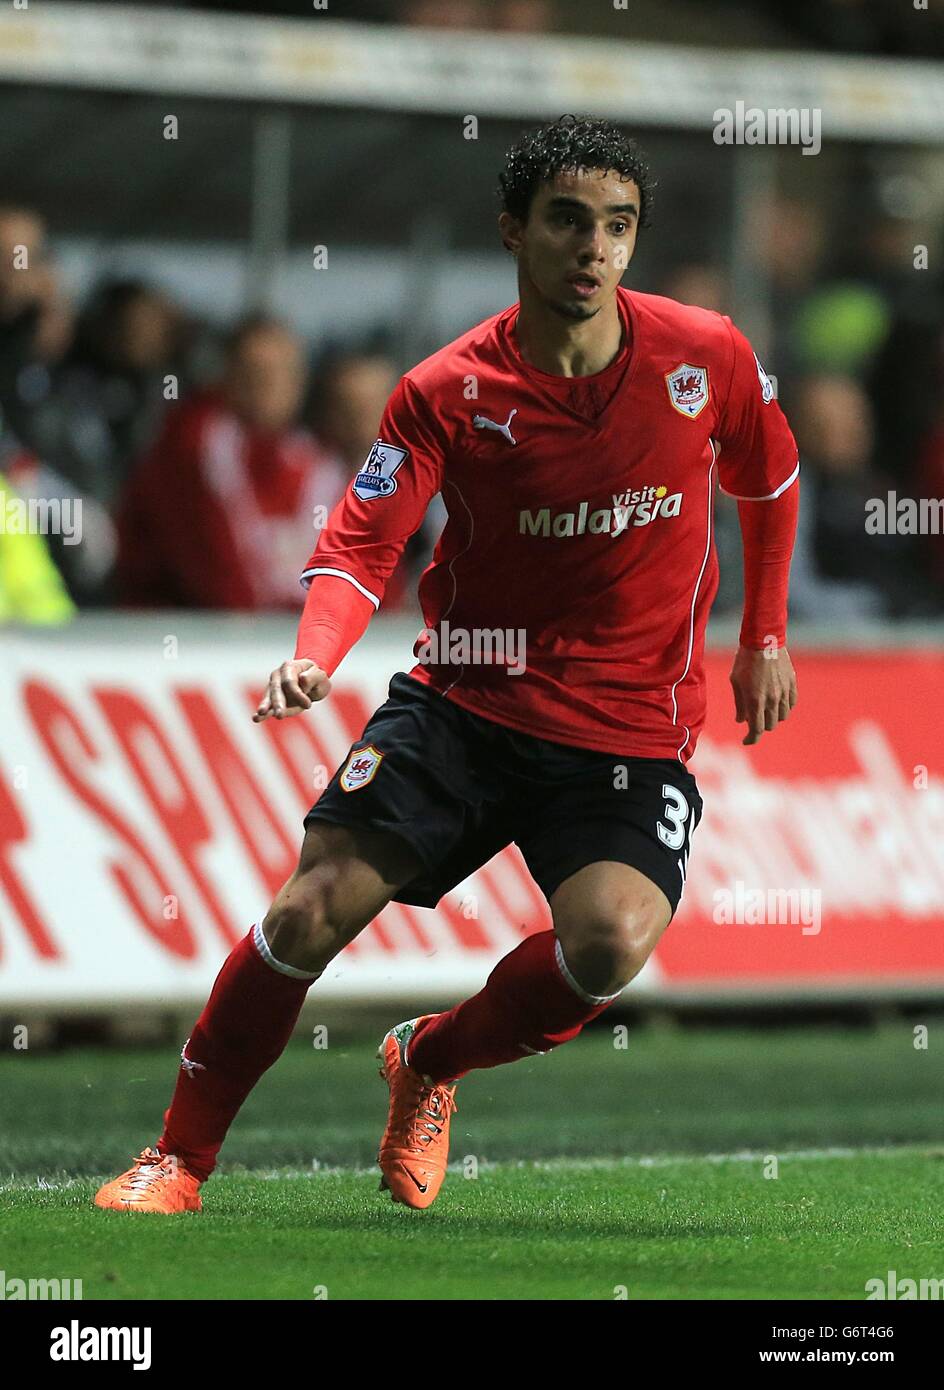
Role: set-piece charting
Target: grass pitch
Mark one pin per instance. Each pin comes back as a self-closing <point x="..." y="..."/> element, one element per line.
<point x="593" y="1173"/>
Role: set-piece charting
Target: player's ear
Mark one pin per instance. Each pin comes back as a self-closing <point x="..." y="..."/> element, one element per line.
<point x="510" y="229"/>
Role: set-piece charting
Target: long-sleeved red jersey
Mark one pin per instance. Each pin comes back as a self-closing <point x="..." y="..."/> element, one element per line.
<point x="579" y="533"/>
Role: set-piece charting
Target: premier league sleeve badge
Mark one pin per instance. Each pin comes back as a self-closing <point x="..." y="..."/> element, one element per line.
<point x="376" y="478"/>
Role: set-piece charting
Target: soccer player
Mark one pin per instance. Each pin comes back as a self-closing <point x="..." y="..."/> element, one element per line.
<point x="577" y="439"/>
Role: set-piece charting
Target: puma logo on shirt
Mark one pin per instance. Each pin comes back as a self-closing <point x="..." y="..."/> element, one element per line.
<point x="481" y="422"/>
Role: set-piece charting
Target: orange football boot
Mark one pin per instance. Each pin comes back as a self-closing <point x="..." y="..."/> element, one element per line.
<point x="415" y="1147"/>
<point x="154" y="1183"/>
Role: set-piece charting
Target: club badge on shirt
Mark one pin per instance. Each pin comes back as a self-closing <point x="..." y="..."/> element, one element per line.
<point x="376" y="478"/>
<point x="688" y="389"/>
<point x="361" y="768"/>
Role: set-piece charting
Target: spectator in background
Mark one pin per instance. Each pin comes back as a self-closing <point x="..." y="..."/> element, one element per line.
<point x="928" y="479"/>
<point x="36" y="334"/>
<point x="223" y="510"/>
<point x="788" y="240"/>
<point x="840" y="572"/>
<point x="351" y="390"/>
<point x="93" y="412"/>
<point x="35" y="322"/>
<point x="840" y="327"/>
<point x="32" y="591"/>
<point x="108" y="397"/>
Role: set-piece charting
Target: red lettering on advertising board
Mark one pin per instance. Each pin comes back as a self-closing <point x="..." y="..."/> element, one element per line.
<point x="67" y="743"/>
<point x="162" y="779"/>
<point x="263" y="837"/>
<point x="301" y="750"/>
<point x="12" y="831"/>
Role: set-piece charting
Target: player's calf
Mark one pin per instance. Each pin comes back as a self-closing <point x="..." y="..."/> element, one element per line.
<point x="253" y="1008"/>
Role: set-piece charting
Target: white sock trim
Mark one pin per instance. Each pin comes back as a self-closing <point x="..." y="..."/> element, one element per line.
<point x="577" y="989"/>
<point x="262" y="946"/>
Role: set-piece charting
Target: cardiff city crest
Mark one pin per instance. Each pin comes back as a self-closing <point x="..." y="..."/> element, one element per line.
<point x="688" y="389"/>
<point x="360" y="768"/>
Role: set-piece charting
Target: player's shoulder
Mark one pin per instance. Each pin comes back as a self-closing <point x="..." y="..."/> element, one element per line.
<point x="468" y="355"/>
<point x="669" y="324"/>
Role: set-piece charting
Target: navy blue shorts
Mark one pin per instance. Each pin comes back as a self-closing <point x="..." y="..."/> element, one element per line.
<point x="458" y="788"/>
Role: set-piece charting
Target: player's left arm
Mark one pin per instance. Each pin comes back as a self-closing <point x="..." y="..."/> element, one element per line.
<point x="758" y="465"/>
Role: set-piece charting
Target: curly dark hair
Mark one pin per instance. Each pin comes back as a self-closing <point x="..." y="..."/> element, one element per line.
<point x="567" y="144"/>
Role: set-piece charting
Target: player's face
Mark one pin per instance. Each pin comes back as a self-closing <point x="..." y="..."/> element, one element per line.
<point x="579" y="238"/>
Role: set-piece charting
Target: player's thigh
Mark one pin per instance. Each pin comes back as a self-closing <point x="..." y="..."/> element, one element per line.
<point x="609" y="846"/>
<point x="419" y="772"/>
<point x="346" y="875"/>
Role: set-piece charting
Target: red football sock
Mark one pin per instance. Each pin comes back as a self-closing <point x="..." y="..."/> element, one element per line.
<point x="243" y="1029"/>
<point x="530" y="1003"/>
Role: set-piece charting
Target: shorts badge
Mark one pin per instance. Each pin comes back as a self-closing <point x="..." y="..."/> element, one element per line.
<point x="360" y="768"/>
<point x="688" y="389"/>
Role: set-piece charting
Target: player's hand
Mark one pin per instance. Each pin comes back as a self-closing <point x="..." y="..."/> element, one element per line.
<point x="293" y="687"/>
<point x="765" y="689"/>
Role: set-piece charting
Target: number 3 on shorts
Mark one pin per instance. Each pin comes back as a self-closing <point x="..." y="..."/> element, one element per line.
<point x="677" y="813"/>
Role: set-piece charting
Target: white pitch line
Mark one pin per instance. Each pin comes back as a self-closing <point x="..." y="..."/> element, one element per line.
<point x="584" y="1165"/>
<point x="640" y="1161"/>
<point x="740" y="1156"/>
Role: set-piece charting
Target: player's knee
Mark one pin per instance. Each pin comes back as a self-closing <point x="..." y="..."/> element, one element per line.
<point x="607" y="947"/>
<point x="307" y="925"/>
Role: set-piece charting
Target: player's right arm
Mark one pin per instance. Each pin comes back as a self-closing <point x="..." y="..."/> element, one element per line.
<point x="358" y="550"/>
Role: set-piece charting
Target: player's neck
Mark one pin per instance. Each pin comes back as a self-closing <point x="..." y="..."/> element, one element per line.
<point x="565" y="347"/>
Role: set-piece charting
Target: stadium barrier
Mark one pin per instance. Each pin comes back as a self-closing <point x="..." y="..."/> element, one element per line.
<point x="145" y="822"/>
<point x="318" y="60"/>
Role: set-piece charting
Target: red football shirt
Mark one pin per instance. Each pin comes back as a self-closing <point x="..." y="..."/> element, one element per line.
<point x="569" y="591"/>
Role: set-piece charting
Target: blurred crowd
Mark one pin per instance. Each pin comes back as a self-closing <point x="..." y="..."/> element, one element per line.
<point x="886" y="27"/>
<point x="903" y="28"/>
<point x="855" y="338"/>
<point x="207" y="461"/>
